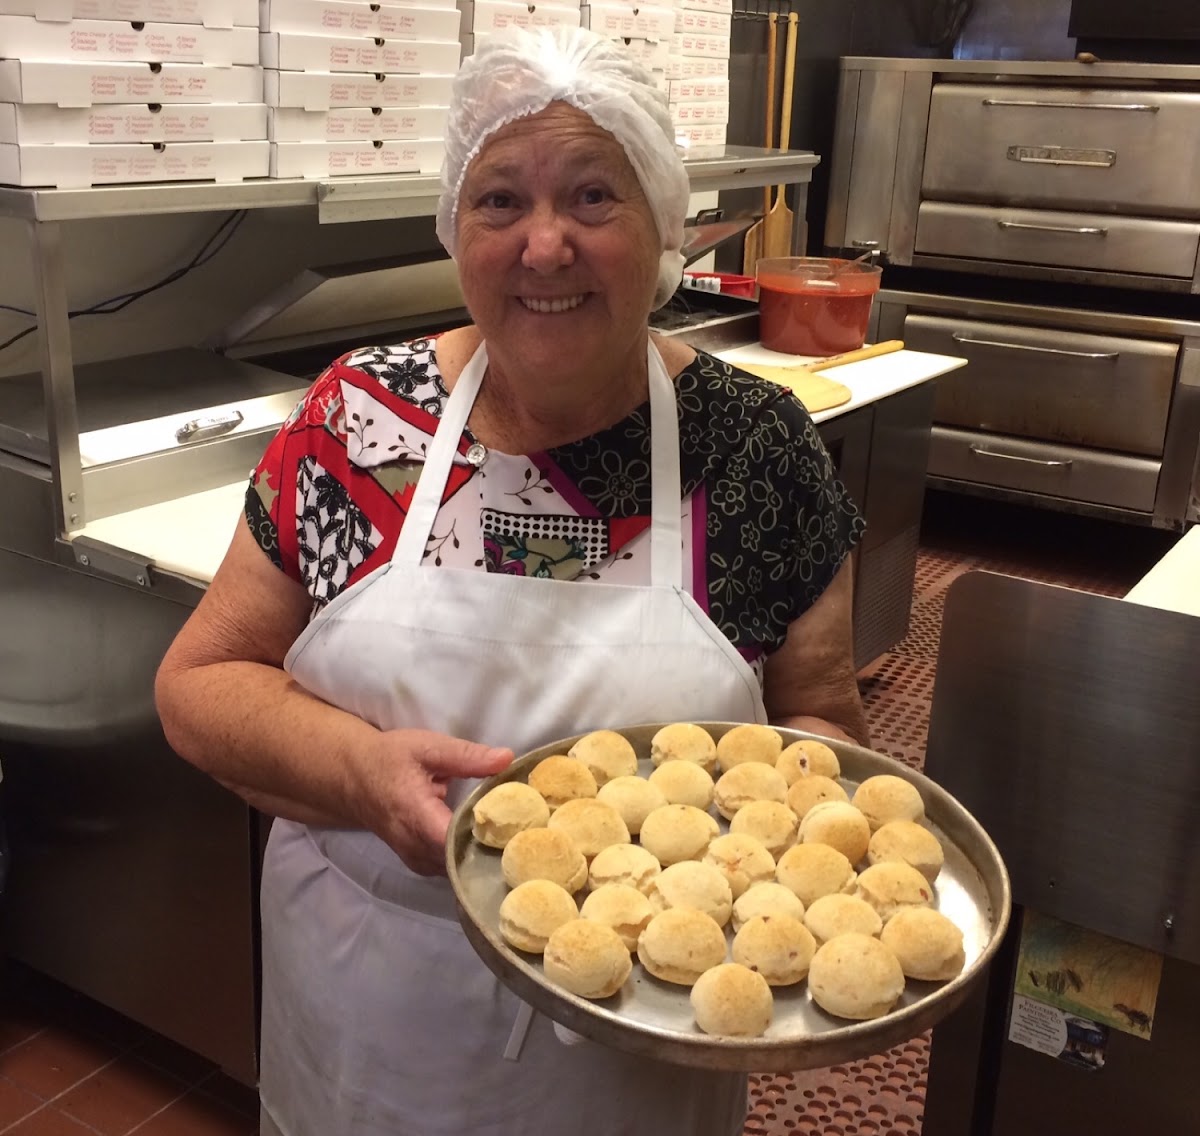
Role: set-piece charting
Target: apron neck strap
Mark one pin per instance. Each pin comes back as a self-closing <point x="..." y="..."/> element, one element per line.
<point x="666" y="492"/>
<point x="666" y="541"/>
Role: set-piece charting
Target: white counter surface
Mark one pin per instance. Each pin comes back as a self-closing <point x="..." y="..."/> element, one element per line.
<point x="189" y="535"/>
<point x="868" y="380"/>
<point x="1173" y="584"/>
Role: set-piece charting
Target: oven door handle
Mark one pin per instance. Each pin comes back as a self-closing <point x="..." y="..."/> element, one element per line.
<point x="959" y="337"/>
<point x="980" y="452"/>
<point x="1074" y="230"/>
<point x="1144" y="108"/>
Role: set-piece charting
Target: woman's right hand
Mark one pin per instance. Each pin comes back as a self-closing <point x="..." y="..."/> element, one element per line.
<point x="407" y="784"/>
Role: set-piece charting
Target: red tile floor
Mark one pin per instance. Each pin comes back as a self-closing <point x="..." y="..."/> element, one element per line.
<point x="71" y="1068"/>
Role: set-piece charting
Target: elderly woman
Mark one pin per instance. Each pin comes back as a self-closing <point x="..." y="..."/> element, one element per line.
<point x="546" y="522"/>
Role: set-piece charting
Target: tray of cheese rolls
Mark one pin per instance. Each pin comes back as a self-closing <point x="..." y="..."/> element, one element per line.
<point x="727" y="895"/>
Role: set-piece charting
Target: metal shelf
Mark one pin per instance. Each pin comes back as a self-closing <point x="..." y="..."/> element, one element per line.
<point x="355" y="199"/>
<point x="48" y="214"/>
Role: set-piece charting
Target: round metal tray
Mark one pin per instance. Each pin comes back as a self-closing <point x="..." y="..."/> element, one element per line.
<point x="654" y="1018"/>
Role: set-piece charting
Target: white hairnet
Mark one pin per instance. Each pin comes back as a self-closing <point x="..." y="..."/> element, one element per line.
<point x="522" y="72"/>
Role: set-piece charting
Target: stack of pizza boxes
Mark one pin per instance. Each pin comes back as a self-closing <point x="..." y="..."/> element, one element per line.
<point x="358" y="88"/>
<point x="685" y="46"/>
<point x="698" y="74"/>
<point x="645" y="29"/>
<point x="482" y="18"/>
<point x="101" y="92"/>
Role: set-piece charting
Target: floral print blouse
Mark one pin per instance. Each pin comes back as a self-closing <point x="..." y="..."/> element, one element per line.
<point x="766" y="524"/>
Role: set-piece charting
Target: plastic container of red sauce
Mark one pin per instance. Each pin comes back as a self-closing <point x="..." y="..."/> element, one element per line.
<point x="811" y="305"/>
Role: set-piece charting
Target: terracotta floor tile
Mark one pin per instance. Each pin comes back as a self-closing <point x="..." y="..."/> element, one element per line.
<point x="18" y="1024"/>
<point x="49" y="1121"/>
<point x="198" y="1115"/>
<point x="55" y="1060"/>
<point x="120" y="1096"/>
<point x="15" y="1103"/>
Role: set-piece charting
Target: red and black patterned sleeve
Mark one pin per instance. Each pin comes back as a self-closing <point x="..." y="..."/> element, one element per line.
<point x="272" y="497"/>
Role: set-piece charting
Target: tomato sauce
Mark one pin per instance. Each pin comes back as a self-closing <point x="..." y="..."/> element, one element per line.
<point x="801" y="314"/>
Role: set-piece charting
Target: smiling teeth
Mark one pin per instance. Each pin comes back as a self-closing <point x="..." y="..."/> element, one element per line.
<point x="563" y="305"/>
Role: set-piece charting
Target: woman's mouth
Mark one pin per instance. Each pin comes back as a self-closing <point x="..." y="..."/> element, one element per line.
<point x="559" y="304"/>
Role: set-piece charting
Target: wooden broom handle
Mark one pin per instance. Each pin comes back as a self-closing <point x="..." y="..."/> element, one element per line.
<point x="884" y="348"/>
<point x="772" y="42"/>
<point x="789" y="75"/>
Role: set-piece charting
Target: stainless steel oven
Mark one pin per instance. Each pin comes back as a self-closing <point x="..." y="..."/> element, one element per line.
<point x="1076" y="178"/>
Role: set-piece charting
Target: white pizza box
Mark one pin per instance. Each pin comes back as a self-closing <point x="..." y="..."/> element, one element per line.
<point x="351" y="159"/>
<point x="486" y="17"/>
<point x="646" y="21"/>
<point x="289" y="51"/>
<point x="706" y="5"/>
<point x="356" y="124"/>
<point x="118" y="122"/>
<point x="210" y="13"/>
<point x="705" y="46"/>
<point x="650" y="53"/>
<point x="322" y="90"/>
<point x="74" y="167"/>
<point x="350" y="18"/>
<point x="693" y="137"/>
<point x="703" y="22"/>
<point x="631" y="4"/>
<point x="714" y="111"/>
<point x="697" y="90"/>
<point x="23" y="37"/>
<point x="696" y="67"/>
<point x="69" y="84"/>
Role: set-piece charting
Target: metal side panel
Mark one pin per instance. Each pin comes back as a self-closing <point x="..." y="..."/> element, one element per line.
<point x="1069" y="724"/>
<point x="846" y="117"/>
<point x="1181" y="450"/>
<point x="132" y="874"/>
<point x="910" y="166"/>
<point x="876" y="145"/>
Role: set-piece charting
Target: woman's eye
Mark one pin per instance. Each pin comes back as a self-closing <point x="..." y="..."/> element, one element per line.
<point x="594" y="195"/>
<point x="497" y="199"/>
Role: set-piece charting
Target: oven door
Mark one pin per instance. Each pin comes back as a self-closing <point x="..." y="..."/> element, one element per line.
<point x="1110" y="392"/>
<point x="1105" y="150"/>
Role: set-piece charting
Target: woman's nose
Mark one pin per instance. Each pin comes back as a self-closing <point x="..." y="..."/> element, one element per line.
<point x="548" y="244"/>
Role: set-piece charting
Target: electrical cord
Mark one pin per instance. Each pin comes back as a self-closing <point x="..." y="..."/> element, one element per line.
<point x="215" y="242"/>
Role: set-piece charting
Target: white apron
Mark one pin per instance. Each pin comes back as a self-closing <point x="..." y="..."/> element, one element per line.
<point x="378" y="1017"/>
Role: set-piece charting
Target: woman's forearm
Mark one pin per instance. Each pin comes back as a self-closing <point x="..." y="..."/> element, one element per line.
<point x="250" y="727"/>
<point x="854" y="732"/>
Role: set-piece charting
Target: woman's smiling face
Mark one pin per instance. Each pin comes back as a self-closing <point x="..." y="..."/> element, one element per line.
<point x="558" y="250"/>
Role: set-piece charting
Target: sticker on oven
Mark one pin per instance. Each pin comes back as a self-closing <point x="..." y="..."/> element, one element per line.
<point x="1049" y="1030"/>
<point x="1088" y="974"/>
